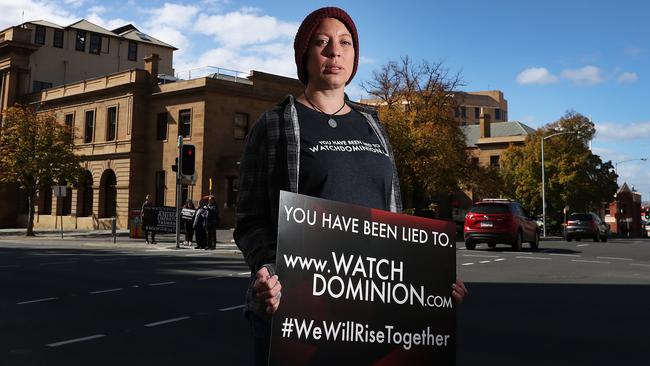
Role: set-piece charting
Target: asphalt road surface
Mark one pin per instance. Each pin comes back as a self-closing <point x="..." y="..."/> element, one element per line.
<point x="83" y="302"/>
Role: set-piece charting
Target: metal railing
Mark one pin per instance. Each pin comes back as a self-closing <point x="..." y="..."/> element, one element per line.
<point x="210" y="72"/>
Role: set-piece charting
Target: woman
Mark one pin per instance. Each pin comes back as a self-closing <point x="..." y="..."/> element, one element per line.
<point x="288" y="149"/>
<point x="189" y="223"/>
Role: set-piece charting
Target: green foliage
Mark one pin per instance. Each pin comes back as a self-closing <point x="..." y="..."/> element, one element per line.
<point x="35" y="151"/>
<point x="574" y="176"/>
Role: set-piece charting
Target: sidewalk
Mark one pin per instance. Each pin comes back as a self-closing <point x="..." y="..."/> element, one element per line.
<point x="223" y="236"/>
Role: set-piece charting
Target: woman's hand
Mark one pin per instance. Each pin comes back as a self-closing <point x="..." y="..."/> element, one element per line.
<point x="268" y="289"/>
<point x="459" y="291"/>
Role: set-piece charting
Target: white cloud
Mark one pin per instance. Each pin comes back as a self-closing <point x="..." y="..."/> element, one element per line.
<point x="633" y="51"/>
<point x="363" y="60"/>
<point x="588" y="75"/>
<point x="109" y="24"/>
<point x="536" y="75"/>
<point x="97" y="9"/>
<point x="74" y="3"/>
<point x="627" y="77"/>
<point x="618" y="131"/>
<point x="240" y="28"/>
<point x="12" y="12"/>
<point x="172" y="15"/>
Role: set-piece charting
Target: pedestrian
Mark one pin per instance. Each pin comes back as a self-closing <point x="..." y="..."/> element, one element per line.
<point x="212" y="223"/>
<point x="188" y="221"/>
<point x="282" y="153"/>
<point x="200" y="217"/>
<point x="147" y="215"/>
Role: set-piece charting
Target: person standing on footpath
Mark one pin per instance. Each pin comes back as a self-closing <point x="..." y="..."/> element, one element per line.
<point x="212" y="223"/>
<point x="147" y="219"/>
<point x="189" y="222"/>
<point x="282" y="153"/>
<point x="200" y="218"/>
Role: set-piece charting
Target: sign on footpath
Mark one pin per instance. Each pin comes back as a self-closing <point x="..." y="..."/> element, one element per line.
<point x="362" y="286"/>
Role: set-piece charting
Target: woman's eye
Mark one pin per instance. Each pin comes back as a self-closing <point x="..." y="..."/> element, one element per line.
<point x="321" y="42"/>
<point x="346" y="43"/>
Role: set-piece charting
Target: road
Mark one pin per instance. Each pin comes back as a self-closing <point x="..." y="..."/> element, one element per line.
<point x="82" y="302"/>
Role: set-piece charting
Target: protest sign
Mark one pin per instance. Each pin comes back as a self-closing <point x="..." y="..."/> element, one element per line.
<point x="362" y="286"/>
<point x="161" y="219"/>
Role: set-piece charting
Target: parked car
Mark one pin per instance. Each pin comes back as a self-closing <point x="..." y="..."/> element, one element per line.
<point x="495" y="221"/>
<point x="586" y="225"/>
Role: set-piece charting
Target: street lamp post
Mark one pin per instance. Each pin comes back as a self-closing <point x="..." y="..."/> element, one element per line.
<point x="625" y="161"/>
<point x="543" y="179"/>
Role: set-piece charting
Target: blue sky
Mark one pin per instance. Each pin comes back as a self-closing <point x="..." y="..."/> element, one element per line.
<point x="546" y="56"/>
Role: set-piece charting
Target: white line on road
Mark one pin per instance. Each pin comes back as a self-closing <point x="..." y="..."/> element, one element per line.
<point x="161" y="283"/>
<point x="541" y="258"/>
<point x="39" y="300"/>
<point x="484" y="262"/>
<point x="584" y="261"/>
<point x="616" y="258"/>
<point x="55" y="263"/>
<point x="467" y="264"/>
<point x="516" y="252"/>
<point x="208" y="278"/>
<point x="565" y="255"/>
<point x="232" y="308"/>
<point x="104" y="291"/>
<point x="197" y="254"/>
<point x="243" y="273"/>
<point x="640" y="264"/>
<point x="582" y="245"/>
<point x="480" y="255"/>
<point x="166" y="321"/>
<point x="76" y="340"/>
<point x="499" y="259"/>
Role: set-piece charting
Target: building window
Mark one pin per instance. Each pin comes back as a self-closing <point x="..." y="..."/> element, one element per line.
<point x="58" y="38"/>
<point x="184" y="122"/>
<point x="39" y="35"/>
<point x="161" y="126"/>
<point x="233" y="183"/>
<point x="497" y="114"/>
<point x="494" y="161"/>
<point x="69" y="125"/>
<point x="80" y="44"/>
<point x="240" y="127"/>
<point x="133" y="51"/>
<point x="40" y="85"/>
<point x="90" y="126"/>
<point x="45" y="200"/>
<point x="477" y="112"/>
<point x="95" y="43"/>
<point x="111" y="123"/>
<point x="160" y="188"/>
<point x="463" y="112"/>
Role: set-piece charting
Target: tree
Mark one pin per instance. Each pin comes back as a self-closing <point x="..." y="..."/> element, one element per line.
<point x="35" y="151"/>
<point x="575" y="177"/>
<point x="416" y="106"/>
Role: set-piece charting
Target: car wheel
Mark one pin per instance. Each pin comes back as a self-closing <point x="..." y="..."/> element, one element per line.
<point x="597" y="236"/>
<point x="604" y="238"/>
<point x="470" y="244"/>
<point x="534" y="245"/>
<point x="517" y="244"/>
<point x="492" y="245"/>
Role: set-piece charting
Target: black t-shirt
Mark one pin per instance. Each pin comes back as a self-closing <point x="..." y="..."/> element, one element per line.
<point x="346" y="163"/>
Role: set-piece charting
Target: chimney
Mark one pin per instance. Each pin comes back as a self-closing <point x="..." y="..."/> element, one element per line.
<point x="151" y="66"/>
<point x="484" y="122"/>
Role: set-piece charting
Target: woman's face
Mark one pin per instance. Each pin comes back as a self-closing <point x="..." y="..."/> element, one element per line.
<point x="330" y="56"/>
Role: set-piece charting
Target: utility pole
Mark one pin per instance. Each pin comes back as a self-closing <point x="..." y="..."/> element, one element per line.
<point x="179" y="192"/>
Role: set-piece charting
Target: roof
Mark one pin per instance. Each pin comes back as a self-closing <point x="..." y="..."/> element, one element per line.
<point x="83" y="24"/>
<point x="124" y="28"/>
<point x="136" y="35"/>
<point x="497" y="129"/>
<point x="45" y="23"/>
<point x="475" y="100"/>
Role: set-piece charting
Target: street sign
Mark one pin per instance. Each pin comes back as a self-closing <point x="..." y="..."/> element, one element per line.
<point x="59" y="191"/>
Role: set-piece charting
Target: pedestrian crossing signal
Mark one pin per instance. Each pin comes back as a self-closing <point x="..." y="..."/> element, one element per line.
<point x="188" y="153"/>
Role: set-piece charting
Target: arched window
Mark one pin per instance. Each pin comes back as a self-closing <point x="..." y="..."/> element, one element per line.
<point x="107" y="194"/>
<point x="85" y="195"/>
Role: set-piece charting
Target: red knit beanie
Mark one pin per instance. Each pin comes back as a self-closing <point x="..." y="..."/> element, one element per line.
<point x="307" y="28"/>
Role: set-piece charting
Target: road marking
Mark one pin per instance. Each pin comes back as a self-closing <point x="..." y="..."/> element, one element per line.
<point x="484" y="262"/>
<point x="640" y="264"/>
<point x="39" y="300"/>
<point x="517" y="252"/>
<point x="161" y="283"/>
<point x="582" y="245"/>
<point x="197" y="254"/>
<point x="462" y="248"/>
<point x="104" y="291"/>
<point x="166" y="321"/>
<point x="499" y="259"/>
<point x="232" y="308"/>
<point x="541" y="258"/>
<point x="76" y="340"/>
<point x="208" y="278"/>
<point x="467" y="264"/>
<point x="584" y="261"/>
<point x="55" y="263"/>
<point x="480" y="255"/>
<point x="243" y="273"/>
<point x="616" y="258"/>
<point x="565" y="255"/>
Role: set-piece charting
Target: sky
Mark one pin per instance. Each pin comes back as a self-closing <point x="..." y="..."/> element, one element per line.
<point x="547" y="57"/>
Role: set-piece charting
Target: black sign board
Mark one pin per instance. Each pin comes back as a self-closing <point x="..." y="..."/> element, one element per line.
<point x="362" y="286"/>
<point x="160" y="219"/>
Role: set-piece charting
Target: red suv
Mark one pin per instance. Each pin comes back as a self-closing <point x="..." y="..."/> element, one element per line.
<point x="495" y="221"/>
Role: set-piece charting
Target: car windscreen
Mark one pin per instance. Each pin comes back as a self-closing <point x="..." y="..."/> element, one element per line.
<point x="580" y="217"/>
<point x="492" y="208"/>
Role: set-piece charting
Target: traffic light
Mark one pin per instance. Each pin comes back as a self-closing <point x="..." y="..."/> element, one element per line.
<point x="647" y="214"/>
<point x="188" y="153"/>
